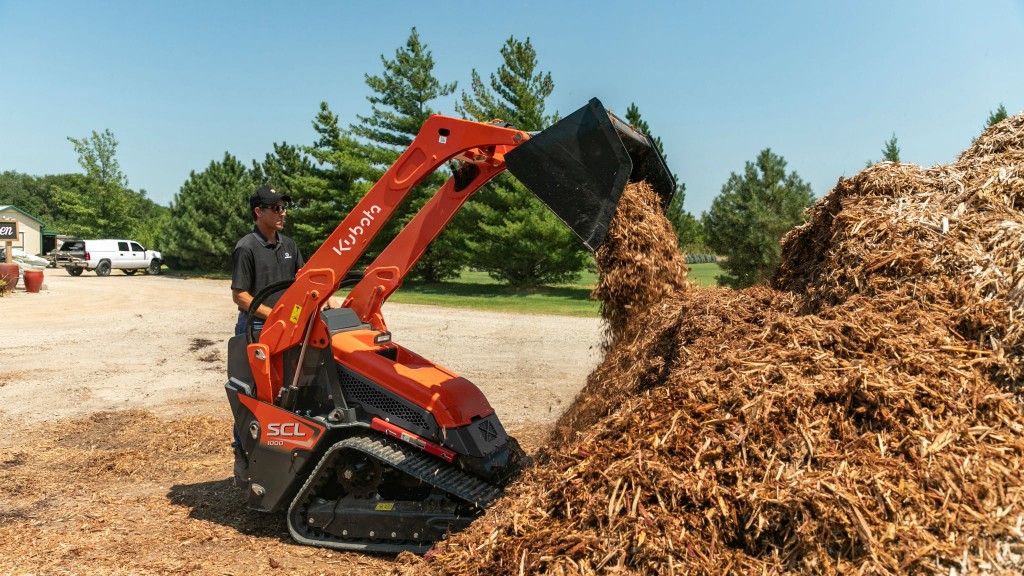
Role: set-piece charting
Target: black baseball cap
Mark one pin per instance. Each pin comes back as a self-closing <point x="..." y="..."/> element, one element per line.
<point x="267" y="196"/>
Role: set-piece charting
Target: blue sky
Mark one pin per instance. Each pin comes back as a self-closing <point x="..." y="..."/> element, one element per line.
<point x="823" y="84"/>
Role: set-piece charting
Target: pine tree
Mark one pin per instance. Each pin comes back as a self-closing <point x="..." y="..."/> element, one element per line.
<point x="891" y="152"/>
<point x="208" y="216"/>
<point x="517" y="91"/>
<point x="400" y="103"/>
<point x="752" y="214"/>
<point x="515" y="238"/>
<point x="996" y="117"/>
<point x="688" y="229"/>
<point x="318" y="195"/>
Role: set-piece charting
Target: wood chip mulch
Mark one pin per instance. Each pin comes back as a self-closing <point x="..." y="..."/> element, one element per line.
<point x="860" y="415"/>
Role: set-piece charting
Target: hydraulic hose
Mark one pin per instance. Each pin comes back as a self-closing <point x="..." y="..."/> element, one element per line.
<point x="351" y="279"/>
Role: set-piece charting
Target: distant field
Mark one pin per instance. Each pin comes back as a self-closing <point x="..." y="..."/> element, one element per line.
<point x="705" y="274"/>
<point x="478" y="291"/>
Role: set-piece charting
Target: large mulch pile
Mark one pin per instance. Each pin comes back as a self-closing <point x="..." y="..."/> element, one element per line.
<point x="861" y="415"/>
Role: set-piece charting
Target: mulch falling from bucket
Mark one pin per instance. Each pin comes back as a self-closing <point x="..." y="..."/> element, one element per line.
<point x="639" y="262"/>
<point x="640" y="267"/>
<point x="860" y="415"/>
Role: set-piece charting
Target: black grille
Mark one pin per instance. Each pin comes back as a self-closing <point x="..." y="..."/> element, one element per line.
<point x="487" y="431"/>
<point x="375" y="401"/>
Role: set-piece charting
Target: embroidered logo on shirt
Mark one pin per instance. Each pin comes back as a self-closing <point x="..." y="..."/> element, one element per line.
<point x="287" y="255"/>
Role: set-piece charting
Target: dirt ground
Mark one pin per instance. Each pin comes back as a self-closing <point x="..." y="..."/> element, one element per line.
<point x="114" y="452"/>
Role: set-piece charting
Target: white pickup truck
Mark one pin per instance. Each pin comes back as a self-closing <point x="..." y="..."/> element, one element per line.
<point x="106" y="255"/>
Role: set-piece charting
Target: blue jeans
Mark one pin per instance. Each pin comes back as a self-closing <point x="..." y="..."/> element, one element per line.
<point x="257" y="326"/>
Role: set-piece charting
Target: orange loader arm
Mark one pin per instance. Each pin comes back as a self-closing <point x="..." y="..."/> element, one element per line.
<point x="295" y="319"/>
<point x="578" y="167"/>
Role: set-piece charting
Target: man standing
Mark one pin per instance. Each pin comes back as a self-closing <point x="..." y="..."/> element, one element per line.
<point x="263" y="256"/>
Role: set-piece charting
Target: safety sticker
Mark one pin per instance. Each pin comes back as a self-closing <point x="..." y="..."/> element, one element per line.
<point x="385" y="506"/>
<point x="296" y="311"/>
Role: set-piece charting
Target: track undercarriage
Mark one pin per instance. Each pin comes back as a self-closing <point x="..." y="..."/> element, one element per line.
<point x="372" y="493"/>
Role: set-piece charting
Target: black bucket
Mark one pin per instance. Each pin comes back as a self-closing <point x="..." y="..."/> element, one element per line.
<point x="580" y="166"/>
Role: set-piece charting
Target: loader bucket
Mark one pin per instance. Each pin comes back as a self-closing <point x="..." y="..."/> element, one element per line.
<point x="580" y="166"/>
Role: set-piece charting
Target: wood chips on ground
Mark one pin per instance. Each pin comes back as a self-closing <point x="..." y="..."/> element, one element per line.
<point x="860" y="415"/>
<point x="130" y="493"/>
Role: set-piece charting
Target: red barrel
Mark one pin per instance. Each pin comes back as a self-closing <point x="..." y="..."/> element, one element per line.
<point x="9" y="274"/>
<point x="33" y="280"/>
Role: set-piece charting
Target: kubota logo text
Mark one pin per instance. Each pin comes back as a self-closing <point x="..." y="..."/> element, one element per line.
<point x="355" y="232"/>
<point x="290" y="429"/>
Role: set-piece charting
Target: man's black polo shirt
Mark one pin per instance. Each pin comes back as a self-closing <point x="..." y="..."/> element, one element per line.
<point x="256" y="263"/>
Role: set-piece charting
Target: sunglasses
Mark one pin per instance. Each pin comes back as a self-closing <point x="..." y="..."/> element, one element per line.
<point x="278" y="208"/>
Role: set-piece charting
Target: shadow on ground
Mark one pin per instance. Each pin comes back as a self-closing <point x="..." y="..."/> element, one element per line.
<point x="222" y="503"/>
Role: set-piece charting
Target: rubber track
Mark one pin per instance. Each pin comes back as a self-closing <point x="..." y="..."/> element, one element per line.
<point x="427" y="468"/>
<point x="409" y="460"/>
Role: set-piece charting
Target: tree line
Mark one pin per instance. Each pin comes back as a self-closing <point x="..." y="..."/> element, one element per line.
<point x="504" y="230"/>
<point x="96" y="203"/>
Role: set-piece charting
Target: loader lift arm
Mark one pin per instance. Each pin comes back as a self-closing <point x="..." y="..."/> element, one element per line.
<point x="578" y="168"/>
<point x="295" y="319"/>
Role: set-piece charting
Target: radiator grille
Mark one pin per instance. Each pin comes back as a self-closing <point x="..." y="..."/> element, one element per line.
<point x="378" y="402"/>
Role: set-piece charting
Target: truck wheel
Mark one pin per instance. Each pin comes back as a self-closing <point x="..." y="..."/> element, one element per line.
<point x="75" y="271"/>
<point x="154" y="267"/>
<point x="103" y="268"/>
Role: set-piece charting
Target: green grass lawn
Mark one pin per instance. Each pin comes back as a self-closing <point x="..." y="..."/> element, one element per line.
<point x="479" y="291"/>
<point x="705" y="274"/>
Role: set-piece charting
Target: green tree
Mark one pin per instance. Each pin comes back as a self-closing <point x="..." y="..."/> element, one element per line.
<point x="516" y="92"/>
<point x="148" y="222"/>
<point x="38" y="196"/>
<point x="102" y="205"/>
<point x="312" y="215"/>
<point x="996" y="117"/>
<point x="891" y="152"/>
<point x="513" y="236"/>
<point x="325" y="189"/>
<point x="28" y="193"/>
<point x="752" y="214"/>
<point x="97" y="154"/>
<point x="400" y="101"/>
<point x="78" y="216"/>
<point x="159" y="220"/>
<point x="208" y="216"/>
<point x="688" y="229"/>
<point x="51" y="187"/>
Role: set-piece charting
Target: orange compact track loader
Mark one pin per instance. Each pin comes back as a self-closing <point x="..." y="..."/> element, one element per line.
<point x="368" y="445"/>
